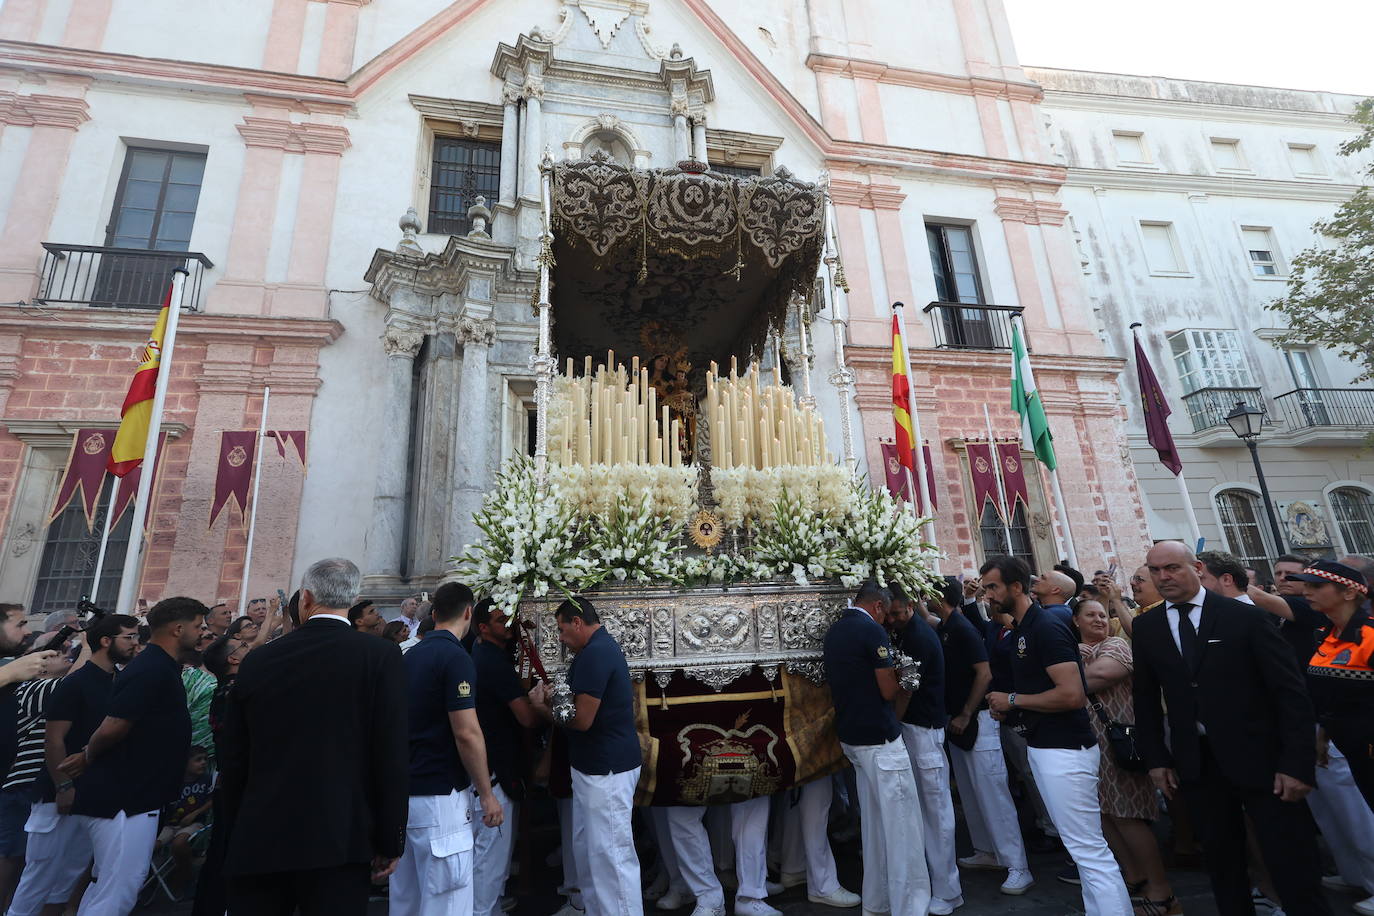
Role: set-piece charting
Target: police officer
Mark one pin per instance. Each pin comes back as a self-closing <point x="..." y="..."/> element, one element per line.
<point x="603" y="751"/>
<point x="923" y="733"/>
<point x="1340" y="675"/>
<point x="447" y="757"/>
<point x="864" y="686"/>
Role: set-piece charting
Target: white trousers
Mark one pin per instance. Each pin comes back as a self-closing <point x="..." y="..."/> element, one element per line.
<point x="1014" y="747"/>
<point x="57" y="852"/>
<point x="1345" y="820"/>
<point x="749" y="830"/>
<point x="663" y="836"/>
<point x="805" y="844"/>
<point x="122" y="847"/>
<point x="1068" y="783"/>
<point x="571" y="885"/>
<point x="687" y="834"/>
<point x="491" y="852"/>
<point x="895" y="875"/>
<point x="604" y="843"/>
<point x="926" y="748"/>
<point x="981" y="775"/>
<point x="434" y="876"/>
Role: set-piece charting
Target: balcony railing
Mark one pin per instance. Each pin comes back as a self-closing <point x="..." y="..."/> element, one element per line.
<point x="1305" y="408"/>
<point x="971" y="327"/>
<point x="129" y="278"/>
<point x="1208" y="407"/>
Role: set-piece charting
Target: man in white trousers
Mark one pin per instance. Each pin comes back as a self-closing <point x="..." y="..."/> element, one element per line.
<point x="864" y="686"/>
<point x="504" y="711"/>
<point x="806" y="854"/>
<point x="1049" y="705"/>
<point x="135" y="761"/>
<point x="448" y="756"/>
<point x="692" y="849"/>
<point x="58" y="849"/>
<point x="975" y="751"/>
<point x="603" y="751"/>
<point x="923" y="733"/>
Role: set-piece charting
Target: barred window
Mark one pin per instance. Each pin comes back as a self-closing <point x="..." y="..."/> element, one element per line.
<point x="1354" y="511"/>
<point x="994" y="535"/>
<point x="1244" y="529"/>
<point x="461" y="171"/>
<point x="69" y="555"/>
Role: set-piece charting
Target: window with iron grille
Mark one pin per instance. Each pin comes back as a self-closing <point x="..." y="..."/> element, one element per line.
<point x="68" y="565"/>
<point x="1242" y="526"/>
<point x="994" y="535"/>
<point x="1354" y="512"/>
<point x="737" y="171"/>
<point x="461" y="171"/>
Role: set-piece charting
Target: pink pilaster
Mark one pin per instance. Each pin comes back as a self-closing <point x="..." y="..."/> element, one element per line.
<point x="242" y="289"/>
<point x="990" y="121"/>
<point x="829" y="87"/>
<point x="55" y="120"/>
<point x="86" y="24"/>
<point x="1015" y="214"/>
<point x="977" y="54"/>
<point x="887" y="202"/>
<point x="304" y="293"/>
<point x="850" y="198"/>
<point x="340" y="35"/>
<point x="284" y="33"/>
<point x="20" y="20"/>
<point x="871" y="119"/>
<point x="1024" y="116"/>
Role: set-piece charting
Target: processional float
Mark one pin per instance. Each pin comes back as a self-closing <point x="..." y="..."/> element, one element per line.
<point x="702" y="512"/>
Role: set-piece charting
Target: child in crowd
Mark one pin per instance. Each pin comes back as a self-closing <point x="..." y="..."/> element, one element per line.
<point x="183" y="818"/>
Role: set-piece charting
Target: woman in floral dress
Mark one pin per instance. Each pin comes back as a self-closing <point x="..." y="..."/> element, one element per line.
<point x="1127" y="799"/>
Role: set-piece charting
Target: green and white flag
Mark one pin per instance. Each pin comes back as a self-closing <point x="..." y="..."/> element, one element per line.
<point x="1025" y="400"/>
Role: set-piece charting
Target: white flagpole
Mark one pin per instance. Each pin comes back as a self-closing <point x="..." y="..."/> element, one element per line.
<point x="128" y="580"/>
<point x="253" y="511"/>
<point x="1001" y="489"/>
<point x="1019" y="327"/>
<point x="918" y="457"/>
<point x="104" y="540"/>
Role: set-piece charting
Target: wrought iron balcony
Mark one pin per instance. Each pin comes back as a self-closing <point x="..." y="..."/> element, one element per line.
<point x="129" y="278"/>
<point x="1208" y="407"/>
<point x="1305" y="408"/>
<point x="959" y="326"/>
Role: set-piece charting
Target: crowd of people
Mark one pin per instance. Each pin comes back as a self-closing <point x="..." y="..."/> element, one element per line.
<point x="309" y="753"/>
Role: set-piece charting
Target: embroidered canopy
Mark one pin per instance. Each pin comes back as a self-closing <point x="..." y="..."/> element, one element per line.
<point x="717" y="256"/>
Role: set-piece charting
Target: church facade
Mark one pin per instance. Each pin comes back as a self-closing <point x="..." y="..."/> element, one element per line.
<point x="317" y="166"/>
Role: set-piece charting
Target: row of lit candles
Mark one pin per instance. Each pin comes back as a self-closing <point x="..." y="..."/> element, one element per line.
<point x="761" y="425"/>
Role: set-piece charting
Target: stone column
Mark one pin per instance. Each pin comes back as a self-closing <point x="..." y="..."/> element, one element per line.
<point x="699" y="137"/>
<point x="386" y="539"/>
<point x="531" y="139"/>
<point x="472" y="458"/>
<point x="510" y="145"/>
<point x="682" y="143"/>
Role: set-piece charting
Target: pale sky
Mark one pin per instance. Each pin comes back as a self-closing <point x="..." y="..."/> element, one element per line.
<point x="1289" y="44"/>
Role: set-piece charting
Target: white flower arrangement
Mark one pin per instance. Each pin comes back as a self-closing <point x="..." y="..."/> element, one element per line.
<point x="797" y="542"/>
<point x="633" y="544"/>
<point x="881" y="539"/>
<point x="533" y="541"/>
<point x="596" y="489"/>
<point x="748" y="497"/>
<point x="560" y="405"/>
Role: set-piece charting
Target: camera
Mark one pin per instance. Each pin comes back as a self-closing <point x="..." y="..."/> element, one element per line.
<point x="89" y="608"/>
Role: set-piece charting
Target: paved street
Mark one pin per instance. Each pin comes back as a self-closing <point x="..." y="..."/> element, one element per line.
<point x="1049" y="897"/>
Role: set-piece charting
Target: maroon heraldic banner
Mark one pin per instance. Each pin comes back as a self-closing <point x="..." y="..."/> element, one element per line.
<point x="896" y="475"/>
<point x="984" y="477"/>
<point x="234" y="473"/>
<point x="85" y="472"/>
<point x="1013" y="476"/>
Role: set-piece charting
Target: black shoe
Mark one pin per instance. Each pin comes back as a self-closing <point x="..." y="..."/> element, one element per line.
<point x="1069" y="875"/>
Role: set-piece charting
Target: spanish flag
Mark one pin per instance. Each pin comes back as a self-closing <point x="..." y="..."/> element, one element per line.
<point x="127" y="451"/>
<point x="901" y="400"/>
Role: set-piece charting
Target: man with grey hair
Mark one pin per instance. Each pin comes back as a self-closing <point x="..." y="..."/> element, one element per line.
<point x="315" y="757"/>
<point x="59" y="619"/>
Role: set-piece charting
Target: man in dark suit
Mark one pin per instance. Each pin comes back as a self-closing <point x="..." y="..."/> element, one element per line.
<point x="314" y="761"/>
<point x="1240" y="732"/>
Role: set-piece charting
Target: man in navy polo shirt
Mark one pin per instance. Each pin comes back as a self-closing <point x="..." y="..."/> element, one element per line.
<point x="1049" y="705"/>
<point x="864" y="686"/>
<point x="58" y="848"/>
<point x="447" y="756"/>
<point x="603" y="750"/>
<point x="504" y="711"/>
<point x="923" y="732"/>
<point x="135" y="761"/>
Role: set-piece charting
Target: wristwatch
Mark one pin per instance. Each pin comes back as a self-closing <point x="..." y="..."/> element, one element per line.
<point x="1011" y="699"/>
<point x="64" y="786"/>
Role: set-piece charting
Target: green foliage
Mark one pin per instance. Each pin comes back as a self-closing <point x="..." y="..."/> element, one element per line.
<point x="1330" y="296"/>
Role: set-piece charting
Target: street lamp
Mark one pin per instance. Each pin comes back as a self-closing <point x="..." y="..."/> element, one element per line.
<point x="1245" y="421"/>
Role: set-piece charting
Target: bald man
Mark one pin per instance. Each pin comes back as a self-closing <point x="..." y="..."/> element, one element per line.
<point x="1240" y="732"/>
<point x="1053" y="590"/>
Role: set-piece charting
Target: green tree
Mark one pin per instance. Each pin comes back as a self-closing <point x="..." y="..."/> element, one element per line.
<point x="1330" y="297"/>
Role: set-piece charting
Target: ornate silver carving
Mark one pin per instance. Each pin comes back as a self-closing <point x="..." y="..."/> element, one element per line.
<point x="718" y="677"/>
<point x="908" y="670"/>
<point x="703" y="630"/>
<point x="561" y="701"/>
<point x="663" y="632"/>
<point x="812" y="671"/>
<point x="767" y="633"/>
